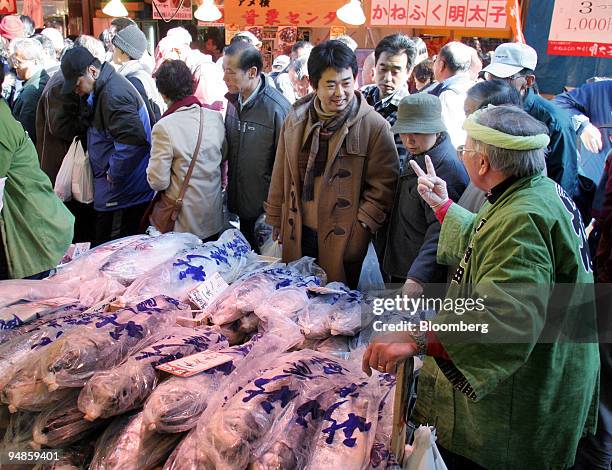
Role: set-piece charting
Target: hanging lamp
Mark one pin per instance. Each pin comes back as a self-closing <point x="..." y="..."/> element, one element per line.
<point x="351" y="13"/>
<point x="208" y="11"/>
<point x="115" y="8"/>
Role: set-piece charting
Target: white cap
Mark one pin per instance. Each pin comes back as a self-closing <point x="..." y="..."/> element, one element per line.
<point x="180" y="35"/>
<point x="282" y="61"/>
<point x="511" y="58"/>
<point x="252" y="38"/>
<point x="55" y="37"/>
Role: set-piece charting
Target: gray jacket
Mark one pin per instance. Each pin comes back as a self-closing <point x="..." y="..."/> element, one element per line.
<point x="252" y="135"/>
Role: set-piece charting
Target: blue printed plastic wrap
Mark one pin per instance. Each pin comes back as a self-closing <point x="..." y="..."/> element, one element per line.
<point x="75" y="356"/>
<point x="125" y="387"/>
<point x="230" y="256"/>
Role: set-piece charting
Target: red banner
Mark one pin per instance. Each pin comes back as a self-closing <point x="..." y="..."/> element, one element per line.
<point x="586" y="49"/>
<point x="8" y="7"/>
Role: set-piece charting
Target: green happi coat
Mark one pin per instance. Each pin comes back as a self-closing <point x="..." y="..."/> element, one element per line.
<point x="36" y="226"/>
<point x="521" y="396"/>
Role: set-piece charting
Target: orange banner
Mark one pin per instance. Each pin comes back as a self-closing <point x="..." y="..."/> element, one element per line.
<point x="311" y="13"/>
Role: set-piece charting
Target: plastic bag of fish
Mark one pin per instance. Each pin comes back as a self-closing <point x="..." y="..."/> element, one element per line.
<point x="240" y="426"/>
<point x="242" y="297"/>
<point x="127" y="445"/>
<point x="125" y="387"/>
<point x="230" y="256"/>
<point x="76" y="355"/>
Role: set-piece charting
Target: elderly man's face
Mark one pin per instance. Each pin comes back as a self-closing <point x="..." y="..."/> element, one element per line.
<point x="24" y="67"/>
<point x="476" y="164"/>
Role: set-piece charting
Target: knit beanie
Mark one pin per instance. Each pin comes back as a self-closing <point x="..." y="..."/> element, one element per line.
<point x="11" y="27"/>
<point x="132" y="41"/>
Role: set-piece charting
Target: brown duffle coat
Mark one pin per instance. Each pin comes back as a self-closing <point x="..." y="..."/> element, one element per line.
<point x="358" y="186"/>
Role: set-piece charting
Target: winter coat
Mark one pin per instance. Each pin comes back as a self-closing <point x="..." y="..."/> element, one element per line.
<point x="142" y="80"/>
<point x="58" y="121"/>
<point x="252" y="136"/>
<point x="359" y="183"/>
<point x="36" y="227"/>
<point x="26" y="101"/>
<point x="174" y="140"/>
<point x="412" y="236"/>
<point x="535" y="371"/>
<point x="118" y="142"/>
<point x="562" y="153"/>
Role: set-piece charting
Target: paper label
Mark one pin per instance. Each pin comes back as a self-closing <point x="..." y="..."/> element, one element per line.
<point x="190" y="322"/>
<point x="194" y="364"/>
<point x="325" y="290"/>
<point x="208" y="291"/>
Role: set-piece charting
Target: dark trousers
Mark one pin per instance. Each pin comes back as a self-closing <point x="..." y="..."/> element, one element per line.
<point x="457" y="462"/>
<point x="117" y="224"/>
<point x="247" y="227"/>
<point x="310" y="247"/>
<point x="84" y="221"/>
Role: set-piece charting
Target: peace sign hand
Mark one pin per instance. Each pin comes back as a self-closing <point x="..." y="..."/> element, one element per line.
<point x="431" y="188"/>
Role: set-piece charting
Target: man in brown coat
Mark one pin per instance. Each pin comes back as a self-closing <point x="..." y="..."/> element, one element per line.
<point x="335" y="171"/>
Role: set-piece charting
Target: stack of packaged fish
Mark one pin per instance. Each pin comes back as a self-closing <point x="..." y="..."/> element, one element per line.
<point x="81" y="372"/>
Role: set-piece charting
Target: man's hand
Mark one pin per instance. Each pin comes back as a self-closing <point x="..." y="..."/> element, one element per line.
<point x="591" y="138"/>
<point x="412" y="289"/>
<point x="431" y="188"/>
<point x="386" y="351"/>
<point x="276" y="234"/>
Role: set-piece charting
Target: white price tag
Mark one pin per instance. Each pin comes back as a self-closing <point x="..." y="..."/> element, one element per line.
<point x="324" y="290"/>
<point x="208" y="291"/>
<point x="194" y="364"/>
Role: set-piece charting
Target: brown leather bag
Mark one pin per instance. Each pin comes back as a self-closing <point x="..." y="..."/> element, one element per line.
<point x="164" y="210"/>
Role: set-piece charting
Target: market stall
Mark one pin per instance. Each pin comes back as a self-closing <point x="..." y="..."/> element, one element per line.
<point x="154" y="351"/>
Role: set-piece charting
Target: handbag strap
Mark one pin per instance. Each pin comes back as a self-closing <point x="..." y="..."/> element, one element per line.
<point x="194" y="158"/>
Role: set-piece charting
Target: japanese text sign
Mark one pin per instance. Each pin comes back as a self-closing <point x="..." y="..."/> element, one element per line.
<point x="165" y="9"/>
<point x="313" y="13"/>
<point x="581" y="28"/>
<point x="440" y="13"/>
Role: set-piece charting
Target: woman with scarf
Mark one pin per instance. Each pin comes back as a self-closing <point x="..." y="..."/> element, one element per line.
<point x="413" y="232"/>
<point x="174" y="140"/>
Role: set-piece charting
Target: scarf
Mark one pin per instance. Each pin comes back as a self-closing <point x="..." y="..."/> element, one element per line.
<point x="187" y="101"/>
<point x="312" y="164"/>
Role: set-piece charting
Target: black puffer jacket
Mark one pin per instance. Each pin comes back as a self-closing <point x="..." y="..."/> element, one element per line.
<point x="252" y="135"/>
<point x="413" y="232"/>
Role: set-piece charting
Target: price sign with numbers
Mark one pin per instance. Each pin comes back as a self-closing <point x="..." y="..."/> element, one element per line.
<point x="581" y="28"/>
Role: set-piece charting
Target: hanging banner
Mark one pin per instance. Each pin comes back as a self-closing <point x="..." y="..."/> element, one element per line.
<point x="169" y="10"/>
<point x="581" y="28"/>
<point x="312" y="13"/>
<point x="440" y="13"/>
<point x="8" y="7"/>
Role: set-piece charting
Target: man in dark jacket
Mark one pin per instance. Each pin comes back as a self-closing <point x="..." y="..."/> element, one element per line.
<point x="253" y="122"/>
<point x="412" y="238"/>
<point x="27" y="58"/>
<point x="118" y="143"/>
<point x="395" y="56"/>
<point x="515" y="62"/>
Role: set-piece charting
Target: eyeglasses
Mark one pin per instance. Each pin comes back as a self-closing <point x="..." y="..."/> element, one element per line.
<point x="461" y="151"/>
<point x="489" y="77"/>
